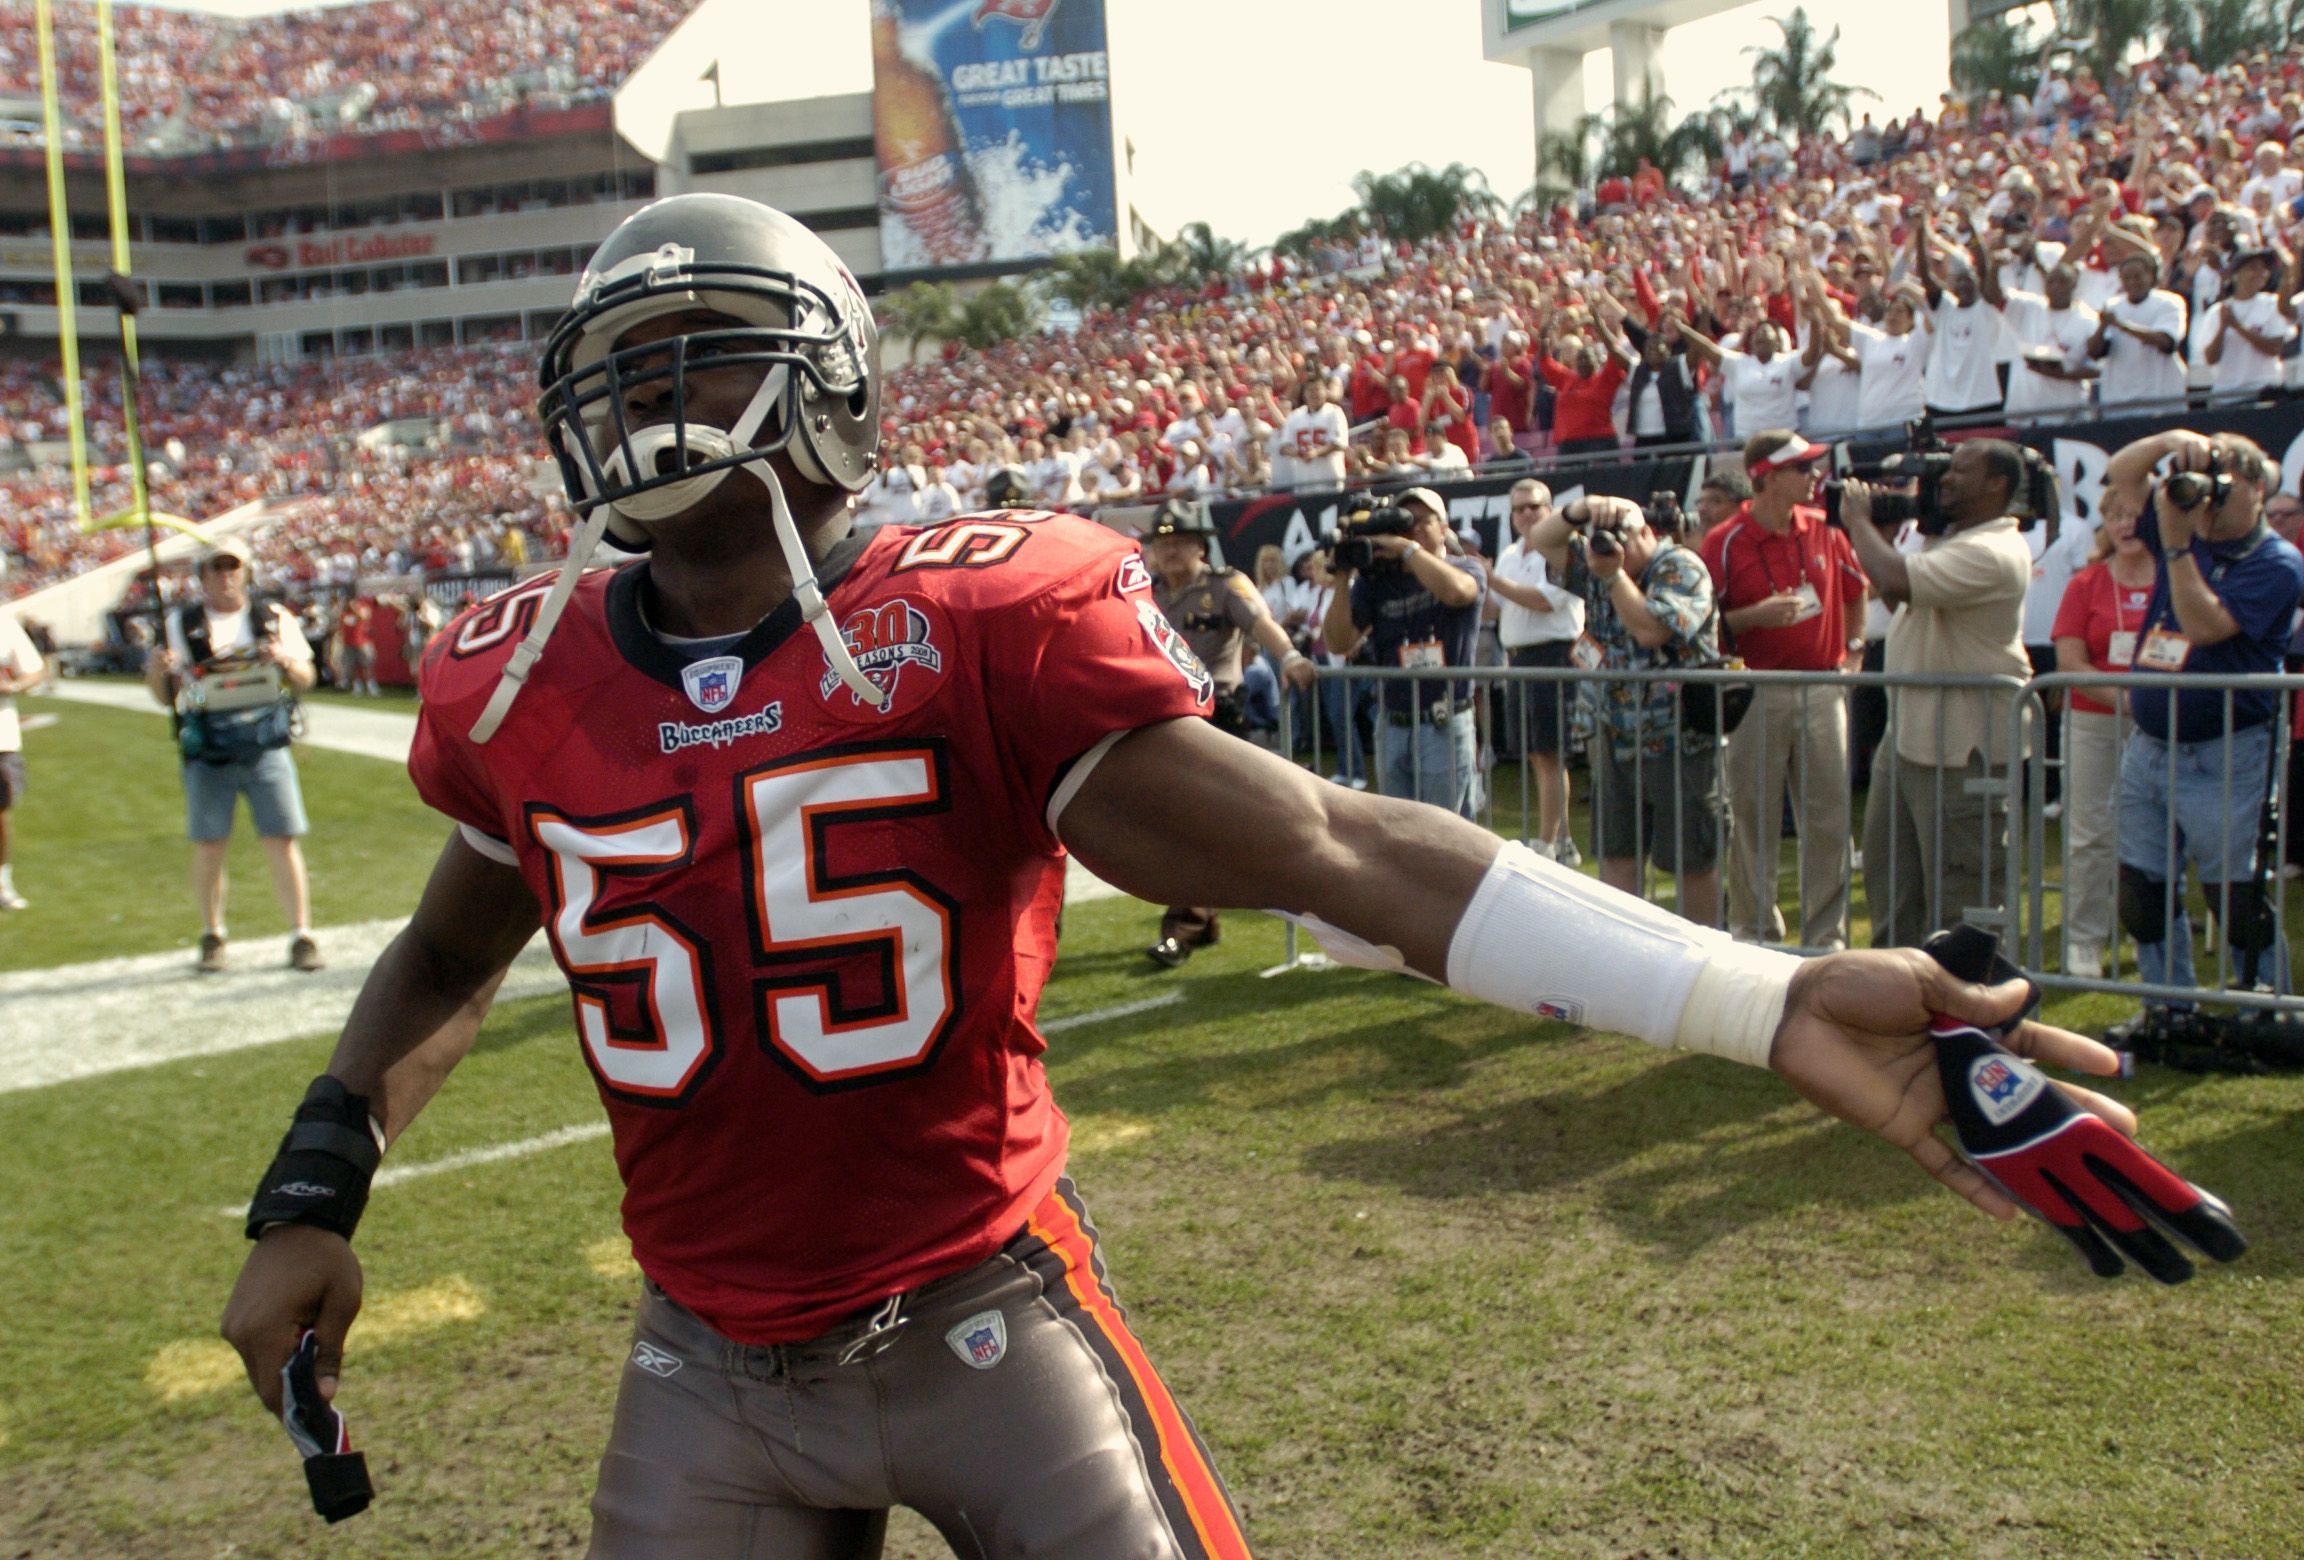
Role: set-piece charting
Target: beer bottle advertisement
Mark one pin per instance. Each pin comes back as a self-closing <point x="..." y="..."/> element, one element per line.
<point x="993" y="128"/>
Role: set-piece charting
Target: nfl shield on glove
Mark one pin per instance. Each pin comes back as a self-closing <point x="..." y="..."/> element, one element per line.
<point x="2061" y="1163"/>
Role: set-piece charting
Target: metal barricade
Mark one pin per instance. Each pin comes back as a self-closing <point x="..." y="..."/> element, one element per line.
<point x="1678" y="817"/>
<point x="1991" y="848"/>
<point x="2233" y="781"/>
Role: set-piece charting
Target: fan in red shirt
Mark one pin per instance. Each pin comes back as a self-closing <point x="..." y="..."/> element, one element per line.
<point x="1584" y="406"/>
<point x="2097" y="627"/>
<point x="1791" y="596"/>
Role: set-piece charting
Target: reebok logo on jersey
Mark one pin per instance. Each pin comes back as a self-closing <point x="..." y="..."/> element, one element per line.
<point x="711" y="683"/>
<point x="981" y="1341"/>
<point x="654" y="1360"/>
<point x="673" y="735"/>
<point x="884" y="640"/>
<point x="1133" y="577"/>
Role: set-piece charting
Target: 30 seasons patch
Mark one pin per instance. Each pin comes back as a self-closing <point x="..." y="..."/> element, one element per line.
<point x="901" y="645"/>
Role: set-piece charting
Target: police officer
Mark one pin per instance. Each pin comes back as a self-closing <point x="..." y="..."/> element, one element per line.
<point x="1214" y="609"/>
<point x="1008" y="488"/>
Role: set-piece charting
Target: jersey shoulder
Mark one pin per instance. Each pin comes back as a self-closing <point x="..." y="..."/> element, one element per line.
<point x="998" y="558"/>
<point x="463" y="661"/>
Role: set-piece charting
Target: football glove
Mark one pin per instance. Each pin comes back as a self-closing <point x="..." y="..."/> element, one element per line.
<point x="2058" y="1162"/>
<point x="336" y="1474"/>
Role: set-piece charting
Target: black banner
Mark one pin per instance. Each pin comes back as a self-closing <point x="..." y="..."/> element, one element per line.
<point x="2079" y="453"/>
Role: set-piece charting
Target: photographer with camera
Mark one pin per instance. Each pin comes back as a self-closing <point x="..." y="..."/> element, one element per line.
<point x="1792" y="598"/>
<point x="1928" y="841"/>
<point x="1214" y="609"/>
<point x="1648" y="605"/>
<point x="2197" y="768"/>
<point x="1404" y="586"/>
<point x="230" y="670"/>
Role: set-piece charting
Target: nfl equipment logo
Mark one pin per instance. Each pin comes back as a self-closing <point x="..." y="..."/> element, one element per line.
<point x="711" y="683"/>
<point x="981" y="1341"/>
<point x="2002" y="1087"/>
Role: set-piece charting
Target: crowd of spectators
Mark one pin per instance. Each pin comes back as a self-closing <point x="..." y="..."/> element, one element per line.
<point x="2111" y="243"/>
<point x="190" y="81"/>
<point x="469" y="495"/>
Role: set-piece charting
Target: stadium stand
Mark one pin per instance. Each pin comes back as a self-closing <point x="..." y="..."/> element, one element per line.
<point x="2196" y="164"/>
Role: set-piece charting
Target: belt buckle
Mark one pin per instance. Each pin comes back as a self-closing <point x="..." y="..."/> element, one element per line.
<point x="887" y="1321"/>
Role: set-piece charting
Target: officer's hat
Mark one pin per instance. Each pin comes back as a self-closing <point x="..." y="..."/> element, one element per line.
<point x="1180" y="517"/>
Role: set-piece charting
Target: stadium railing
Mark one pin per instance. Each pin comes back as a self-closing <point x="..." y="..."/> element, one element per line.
<point x="2020" y="897"/>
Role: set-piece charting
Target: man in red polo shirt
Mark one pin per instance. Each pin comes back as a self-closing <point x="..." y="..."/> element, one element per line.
<point x="1791" y="596"/>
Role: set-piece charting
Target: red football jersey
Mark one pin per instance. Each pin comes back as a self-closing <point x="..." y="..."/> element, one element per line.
<point x="806" y="938"/>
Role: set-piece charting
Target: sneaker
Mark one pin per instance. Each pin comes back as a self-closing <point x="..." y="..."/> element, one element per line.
<point x="1545" y="848"/>
<point x="11" y="900"/>
<point x="1567" y="854"/>
<point x="2087" y="963"/>
<point x="304" y="954"/>
<point x="1168" y="953"/>
<point x="2052" y="811"/>
<point x="211" y="954"/>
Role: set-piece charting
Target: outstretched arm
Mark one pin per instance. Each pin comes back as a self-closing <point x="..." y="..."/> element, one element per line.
<point x="1414" y="884"/>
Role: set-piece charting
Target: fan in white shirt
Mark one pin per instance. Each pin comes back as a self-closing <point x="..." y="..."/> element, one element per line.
<point x="2051" y="333"/>
<point x="1832" y="374"/>
<point x="2136" y="340"/>
<point x="2251" y="330"/>
<point x="1963" y="369"/>
<point x="1762" y="386"/>
<point x="1312" y="441"/>
<point x="1892" y="362"/>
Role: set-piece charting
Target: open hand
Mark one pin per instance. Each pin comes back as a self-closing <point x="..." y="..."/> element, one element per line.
<point x="1855" y="1041"/>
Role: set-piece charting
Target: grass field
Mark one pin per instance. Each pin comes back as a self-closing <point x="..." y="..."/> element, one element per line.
<point x="1434" y="1280"/>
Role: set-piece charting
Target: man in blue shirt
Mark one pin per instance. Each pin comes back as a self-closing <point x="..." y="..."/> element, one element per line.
<point x="1418" y="608"/>
<point x="2198" y="767"/>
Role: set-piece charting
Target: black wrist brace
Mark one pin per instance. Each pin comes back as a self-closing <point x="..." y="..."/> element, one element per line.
<point x="320" y="1176"/>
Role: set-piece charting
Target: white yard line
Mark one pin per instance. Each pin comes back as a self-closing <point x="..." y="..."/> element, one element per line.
<point x="1167" y="998"/>
<point x="586" y="1131"/>
<point x="385" y="734"/>
<point x="86" y="1020"/>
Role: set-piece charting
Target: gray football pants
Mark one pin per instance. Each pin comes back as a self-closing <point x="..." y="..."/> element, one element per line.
<point x="1010" y="1406"/>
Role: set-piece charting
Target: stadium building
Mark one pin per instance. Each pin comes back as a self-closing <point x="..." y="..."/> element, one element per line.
<point x="356" y="224"/>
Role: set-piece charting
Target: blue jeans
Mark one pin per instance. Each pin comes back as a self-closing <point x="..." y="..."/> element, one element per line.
<point x="1259" y="694"/>
<point x="1433" y="761"/>
<point x="2214" y="804"/>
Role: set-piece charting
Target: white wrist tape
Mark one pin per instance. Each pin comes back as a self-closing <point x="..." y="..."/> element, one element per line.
<point x="1544" y="940"/>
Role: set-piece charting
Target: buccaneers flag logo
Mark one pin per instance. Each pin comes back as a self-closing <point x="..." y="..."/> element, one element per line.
<point x="1031" y="15"/>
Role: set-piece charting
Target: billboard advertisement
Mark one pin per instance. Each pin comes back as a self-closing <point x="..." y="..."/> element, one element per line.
<point x="992" y="122"/>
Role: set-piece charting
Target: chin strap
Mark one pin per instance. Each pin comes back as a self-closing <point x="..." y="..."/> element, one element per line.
<point x="810" y="595"/>
<point x="805" y="590"/>
<point x="524" y="655"/>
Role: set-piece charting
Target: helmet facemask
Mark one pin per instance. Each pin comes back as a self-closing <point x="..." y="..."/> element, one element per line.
<point x="814" y="355"/>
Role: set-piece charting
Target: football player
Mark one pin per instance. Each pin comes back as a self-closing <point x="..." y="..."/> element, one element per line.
<point x="792" y="808"/>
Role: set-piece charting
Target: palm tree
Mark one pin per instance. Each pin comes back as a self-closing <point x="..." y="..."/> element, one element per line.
<point x="1568" y="153"/>
<point x="2102" y="33"/>
<point x="2217" y="31"/>
<point x="1642" y="131"/>
<point x="1996" y="56"/>
<point x="1343" y="228"/>
<point x="1001" y="312"/>
<point x="1208" y="256"/>
<point x="924" y="311"/>
<point x="1415" y="203"/>
<point x="1087" y="279"/>
<point x="1793" y="81"/>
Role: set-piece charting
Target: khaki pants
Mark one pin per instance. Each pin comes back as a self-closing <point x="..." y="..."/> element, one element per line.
<point x="1928" y="846"/>
<point x="2091" y="782"/>
<point x="1800" y="734"/>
